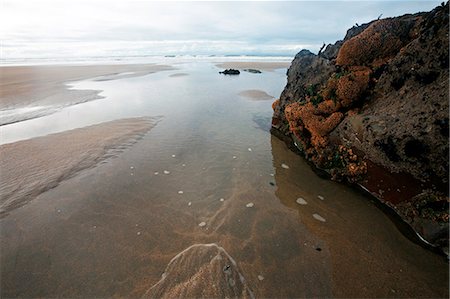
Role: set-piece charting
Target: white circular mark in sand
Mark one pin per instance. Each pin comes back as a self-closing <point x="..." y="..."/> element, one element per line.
<point x="301" y="201"/>
<point x="166" y="172"/>
<point x="180" y="192"/>
<point x="320" y="197"/>
<point x="318" y="217"/>
<point x="249" y="205"/>
<point x="260" y="277"/>
<point x="284" y="166"/>
<point x="202" y="224"/>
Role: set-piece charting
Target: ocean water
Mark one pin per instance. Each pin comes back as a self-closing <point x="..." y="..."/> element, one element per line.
<point x="207" y="198"/>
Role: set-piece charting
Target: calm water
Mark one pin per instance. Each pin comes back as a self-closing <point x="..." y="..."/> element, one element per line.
<point x="112" y="230"/>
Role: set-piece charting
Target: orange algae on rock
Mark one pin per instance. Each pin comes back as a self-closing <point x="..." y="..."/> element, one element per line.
<point x="380" y="41"/>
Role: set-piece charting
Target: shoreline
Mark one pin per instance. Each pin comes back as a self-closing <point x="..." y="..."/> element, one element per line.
<point x="406" y="228"/>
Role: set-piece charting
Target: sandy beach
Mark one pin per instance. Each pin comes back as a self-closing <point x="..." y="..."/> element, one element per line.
<point x="31" y="167"/>
<point x="24" y="86"/>
<point x="199" y="202"/>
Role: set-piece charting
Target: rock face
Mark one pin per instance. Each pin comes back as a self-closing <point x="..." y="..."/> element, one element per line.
<point x="373" y="109"/>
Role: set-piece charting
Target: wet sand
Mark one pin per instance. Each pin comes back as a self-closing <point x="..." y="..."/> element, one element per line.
<point x="22" y="86"/>
<point x="31" y="167"/>
<point x="263" y="65"/>
<point x="256" y="95"/>
<point x="143" y="222"/>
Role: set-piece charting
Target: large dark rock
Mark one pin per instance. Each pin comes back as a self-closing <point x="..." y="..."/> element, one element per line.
<point x="230" y="72"/>
<point x="373" y="109"/>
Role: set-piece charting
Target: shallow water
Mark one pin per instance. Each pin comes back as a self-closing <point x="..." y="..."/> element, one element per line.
<point x="112" y="230"/>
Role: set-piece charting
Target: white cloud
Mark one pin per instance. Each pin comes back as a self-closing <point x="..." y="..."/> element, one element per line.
<point x="53" y="27"/>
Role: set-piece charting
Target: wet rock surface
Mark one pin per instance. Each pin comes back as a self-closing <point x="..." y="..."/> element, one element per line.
<point x="230" y="72"/>
<point x="373" y="109"/>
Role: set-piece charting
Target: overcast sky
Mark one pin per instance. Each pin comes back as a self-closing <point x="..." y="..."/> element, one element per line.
<point x="33" y="28"/>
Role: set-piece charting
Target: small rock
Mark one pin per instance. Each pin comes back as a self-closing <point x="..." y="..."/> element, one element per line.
<point x="180" y="192"/>
<point x="254" y="71"/>
<point x="260" y="277"/>
<point x="320" y="197"/>
<point x="249" y="205"/>
<point x="271" y="174"/>
<point x="189" y="204"/>
<point x="166" y="172"/>
<point x="234" y="157"/>
<point x="202" y="224"/>
<point x="318" y="217"/>
<point x="221" y="199"/>
<point x="131" y="167"/>
<point x="156" y="173"/>
<point x="183" y="165"/>
<point x="59" y="211"/>
<point x="138" y="233"/>
<point x="301" y="201"/>
<point x="131" y="173"/>
<point x="272" y="183"/>
<point x="173" y="156"/>
<point x="284" y="166"/>
<point x="249" y="149"/>
<point x="230" y="72"/>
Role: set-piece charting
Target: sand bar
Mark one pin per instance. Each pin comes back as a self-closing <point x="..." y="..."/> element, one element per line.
<point x="31" y="167"/>
<point x="22" y="86"/>
<point x="256" y="95"/>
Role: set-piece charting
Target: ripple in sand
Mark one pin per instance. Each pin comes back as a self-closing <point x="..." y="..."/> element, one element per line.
<point x="249" y="205"/>
<point x="198" y="272"/>
<point x="318" y="217"/>
<point x="284" y="166"/>
<point x="301" y="201"/>
<point x="202" y="224"/>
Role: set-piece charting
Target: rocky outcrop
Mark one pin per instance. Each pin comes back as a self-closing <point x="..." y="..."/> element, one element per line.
<point x="373" y="109"/>
<point x="230" y="72"/>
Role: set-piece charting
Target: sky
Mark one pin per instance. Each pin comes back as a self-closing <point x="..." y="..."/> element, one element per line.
<point x="60" y="28"/>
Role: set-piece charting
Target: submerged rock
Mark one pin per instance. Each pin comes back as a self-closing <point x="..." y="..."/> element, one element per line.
<point x="230" y="72"/>
<point x="254" y="71"/>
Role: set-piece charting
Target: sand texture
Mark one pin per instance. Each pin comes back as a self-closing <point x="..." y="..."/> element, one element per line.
<point x="22" y="86"/>
<point x="201" y="271"/>
<point x="256" y="95"/>
<point x="33" y="166"/>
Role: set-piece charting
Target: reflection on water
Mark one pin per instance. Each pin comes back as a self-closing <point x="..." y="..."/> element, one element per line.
<point x="109" y="233"/>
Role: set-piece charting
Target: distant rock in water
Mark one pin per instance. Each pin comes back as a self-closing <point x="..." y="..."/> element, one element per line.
<point x="230" y="72"/>
<point x="201" y="271"/>
<point x="253" y="71"/>
<point x="373" y="109"/>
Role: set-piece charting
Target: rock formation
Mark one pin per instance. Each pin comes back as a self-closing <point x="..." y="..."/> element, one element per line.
<point x="373" y="109"/>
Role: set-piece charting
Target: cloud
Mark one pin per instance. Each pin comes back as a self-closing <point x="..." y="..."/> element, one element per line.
<point x="245" y="26"/>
